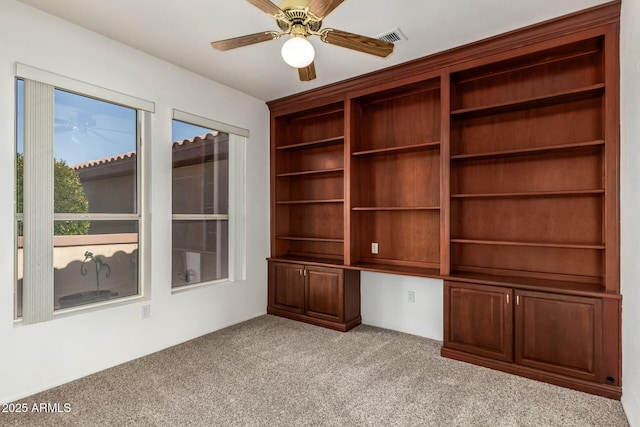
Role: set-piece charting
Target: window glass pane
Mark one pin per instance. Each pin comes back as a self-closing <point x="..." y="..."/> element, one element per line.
<point x="200" y="170"/>
<point x="95" y="156"/>
<point x="200" y="251"/>
<point x="95" y="267"/>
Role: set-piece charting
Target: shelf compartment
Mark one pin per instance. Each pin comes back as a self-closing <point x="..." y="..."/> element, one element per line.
<point x="310" y="186"/>
<point x="553" y="220"/>
<point x="317" y="158"/>
<point x="529" y="151"/>
<point x="310" y="220"/>
<point x="567" y="96"/>
<point x="310" y="172"/>
<point x="555" y="70"/>
<point x="395" y="119"/>
<point x="310" y="144"/>
<point x="582" y="49"/>
<point x="540" y="127"/>
<point x="331" y="250"/>
<point x="304" y="129"/>
<point x="570" y="170"/>
<point x="407" y="179"/>
<point x="409" y="238"/>
<point x="399" y="149"/>
<point x="580" y="263"/>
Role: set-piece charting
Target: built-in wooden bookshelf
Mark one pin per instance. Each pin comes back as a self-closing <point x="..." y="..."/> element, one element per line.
<point x="308" y="179"/>
<point x="527" y="153"/>
<point x="493" y="166"/>
<point x="395" y="174"/>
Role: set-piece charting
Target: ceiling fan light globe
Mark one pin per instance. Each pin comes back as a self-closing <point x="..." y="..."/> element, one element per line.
<point x="297" y="52"/>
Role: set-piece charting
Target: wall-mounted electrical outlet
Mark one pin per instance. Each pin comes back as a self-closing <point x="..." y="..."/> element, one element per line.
<point x="412" y="297"/>
<point x="145" y="313"/>
<point x="374" y="248"/>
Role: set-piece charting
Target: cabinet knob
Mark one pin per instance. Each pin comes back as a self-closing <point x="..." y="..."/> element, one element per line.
<point x="507" y="298"/>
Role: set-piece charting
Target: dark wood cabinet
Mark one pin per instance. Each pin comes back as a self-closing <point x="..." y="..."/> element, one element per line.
<point x="324" y="290"/>
<point x="479" y="320"/>
<point x="559" y="333"/>
<point x="324" y="296"/>
<point x="494" y="166"/>
<point x="547" y="336"/>
<point x="287" y="292"/>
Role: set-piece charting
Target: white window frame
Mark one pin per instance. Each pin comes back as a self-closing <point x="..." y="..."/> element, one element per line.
<point x="237" y="196"/>
<point x="37" y="301"/>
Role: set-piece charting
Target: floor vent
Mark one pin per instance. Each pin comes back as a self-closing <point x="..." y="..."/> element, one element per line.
<point x="392" y="36"/>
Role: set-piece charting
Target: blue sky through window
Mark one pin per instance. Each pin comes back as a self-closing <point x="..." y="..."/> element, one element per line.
<point x="88" y="129"/>
<point x="181" y="131"/>
<point x="85" y="129"/>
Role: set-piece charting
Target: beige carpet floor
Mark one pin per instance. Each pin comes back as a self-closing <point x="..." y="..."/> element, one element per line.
<point x="271" y="371"/>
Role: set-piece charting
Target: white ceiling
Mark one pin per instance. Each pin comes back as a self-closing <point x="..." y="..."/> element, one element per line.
<point x="180" y="32"/>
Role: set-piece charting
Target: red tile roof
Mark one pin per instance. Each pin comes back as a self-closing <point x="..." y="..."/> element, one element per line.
<point x="175" y="145"/>
<point x="103" y="161"/>
<point x="195" y="139"/>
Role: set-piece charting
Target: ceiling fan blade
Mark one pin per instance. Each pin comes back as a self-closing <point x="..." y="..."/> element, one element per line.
<point x="357" y="42"/>
<point x="322" y="8"/>
<point x="266" y="6"/>
<point x="307" y="73"/>
<point x="244" y="40"/>
<point x="60" y="129"/>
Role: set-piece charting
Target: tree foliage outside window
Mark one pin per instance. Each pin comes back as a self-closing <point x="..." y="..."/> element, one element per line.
<point x="69" y="197"/>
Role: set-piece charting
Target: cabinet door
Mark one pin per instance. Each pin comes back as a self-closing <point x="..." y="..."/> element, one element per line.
<point x="559" y="333"/>
<point x="287" y="287"/>
<point x="479" y="320"/>
<point x="325" y="293"/>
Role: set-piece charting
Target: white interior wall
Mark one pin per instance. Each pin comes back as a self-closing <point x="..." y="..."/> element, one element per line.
<point x="630" y="207"/>
<point x="40" y="356"/>
<point x="385" y="304"/>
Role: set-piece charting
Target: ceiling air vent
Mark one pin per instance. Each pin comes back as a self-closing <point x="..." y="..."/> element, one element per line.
<point x="392" y="36"/>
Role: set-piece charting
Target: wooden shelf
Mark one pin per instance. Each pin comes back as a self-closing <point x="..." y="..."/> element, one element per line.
<point x="589" y="287"/>
<point x="399" y="149"/>
<point x="395" y="208"/>
<point x="528" y="244"/>
<point x="529" y="194"/>
<point x="312" y="172"/>
<point x="310" y="144"/>
<point x="533" y="102"/>
<point x="397" y="269"/>
<point x="309" y="202"/>
<point x="535" y="64"/>
<point x="309" y="260"/>
<point x="531" y="150"/>
<point x="310" y="239"/>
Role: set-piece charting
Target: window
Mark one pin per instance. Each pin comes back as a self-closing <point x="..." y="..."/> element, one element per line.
<point x="78" y="198"/>
<point x="208" y="201"/>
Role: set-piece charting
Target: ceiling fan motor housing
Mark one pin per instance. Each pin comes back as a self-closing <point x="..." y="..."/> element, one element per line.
<point x="295" y="16"/>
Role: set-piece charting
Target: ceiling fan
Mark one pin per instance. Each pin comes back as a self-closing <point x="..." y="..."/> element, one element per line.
<point x="81" y="124"/>
<point x="300" y="19"/>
